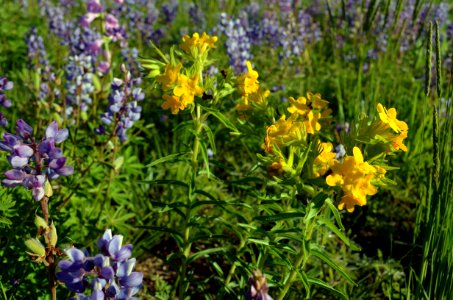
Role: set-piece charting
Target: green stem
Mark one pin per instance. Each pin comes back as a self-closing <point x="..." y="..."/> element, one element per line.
<point x="233" y="267"/>
<point x="198" y="125"/>
<point x="301" y="259"/>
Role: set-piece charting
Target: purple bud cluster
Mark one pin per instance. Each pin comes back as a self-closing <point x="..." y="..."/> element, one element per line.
<point x="5" y="85"/>
<point x="130" y="59"/>
<point x="123" y="109"/>
<point x="197" y="16"/>
<point x="169" y="11"/>
<point x="79" y="75"/>
<point x="56" y="20"/>
<point x="35" y="49"/>
<point x="141" y="16"/>
<point x="109" y="274"/>
<point x="237" y="43"/>
<point x="34" y="162"/>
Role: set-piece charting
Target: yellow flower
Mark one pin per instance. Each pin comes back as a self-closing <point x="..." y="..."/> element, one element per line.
<point x="311" y="124"/>
<point x="170" y="77"/>
<point x="276" y="168"/>
<point x="397" y="141"/>
<point x="324" y="160"/>
<point x="354" y="176"/>
<point x="202" y="44"/>
<point x="298" y="106"/>
<point x="281" y="132"/>
<point x="174" y="103"/>
<point x="389" y="117"/>
<point x="316" y="101"/>
<point x="259" y="98"/>
<point x="187" y="89"/>
<point x="248" y="82"/>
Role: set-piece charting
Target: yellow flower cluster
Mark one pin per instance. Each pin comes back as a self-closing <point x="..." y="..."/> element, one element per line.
<point x="305" y="117"/>
<point x="388" y="118"/>
<point x="182" y="88"/>
<point x="198" y="43"/>
<point x="354" y="176"/>
<point x="283" y="131"/>
<point x="325" y="160"/>
<point x="311" y="109"/>
<point x="250" y="89"/>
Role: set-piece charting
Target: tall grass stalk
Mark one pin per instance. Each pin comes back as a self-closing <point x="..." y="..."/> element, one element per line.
<point x="434" y="280"/>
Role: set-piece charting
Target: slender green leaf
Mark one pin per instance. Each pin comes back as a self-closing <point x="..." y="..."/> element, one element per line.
<point x="198" y="254"/>
<point x="279" y="217"/>
<point x="327" y="287"/>
<point x="321" y="254"/>
<point x="166" y="158"/>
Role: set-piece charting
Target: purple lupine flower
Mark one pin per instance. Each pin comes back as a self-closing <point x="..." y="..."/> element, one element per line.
<point x="257" y="287"/>
<point x="79" y="75"/>
<point x="130" y="59"/>
<point x="3" y="120"/>
<point x="34" y="162"/>
<point x="5" y="85"/>
<point x="169" y="11"/>
<point x="237" y="44"/>
<point x="197" y="16"/>
<point x="123" y="109"/>
<point x="35" y="49"/>
<point x="109" y="273"/>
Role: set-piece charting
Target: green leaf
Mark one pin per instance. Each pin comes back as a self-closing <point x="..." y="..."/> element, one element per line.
<point x="315" y="206"/>
<point x="304" y="278"/>
<point x="177" y="235"/>
<point x="166" y="158"/>
<point x="327" y="287"/>
<point x="224" y="120"/>
<point x="335" y="212"/>
<point x="337" y="231"/>
<point x="198" y="254"/>
<point x="321" y="254"/>
<point x="204" y="154"/>
<point x="260" y="242"/>
<point x="279" y="217"/>
<point x="165" y="182"/>
<point x="210" y="139"/>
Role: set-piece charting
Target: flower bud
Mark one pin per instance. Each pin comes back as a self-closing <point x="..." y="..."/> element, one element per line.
<point x="36" y="247"/>
<point x="40" y="223"/>
<point x="48" y="189"/>
<point x="53" y="235"/>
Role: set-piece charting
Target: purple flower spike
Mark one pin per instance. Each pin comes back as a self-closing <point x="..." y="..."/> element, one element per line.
<point x="107" y="277"/>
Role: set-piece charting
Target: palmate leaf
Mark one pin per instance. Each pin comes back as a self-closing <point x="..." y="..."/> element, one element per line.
<point x="6" y="210"/>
